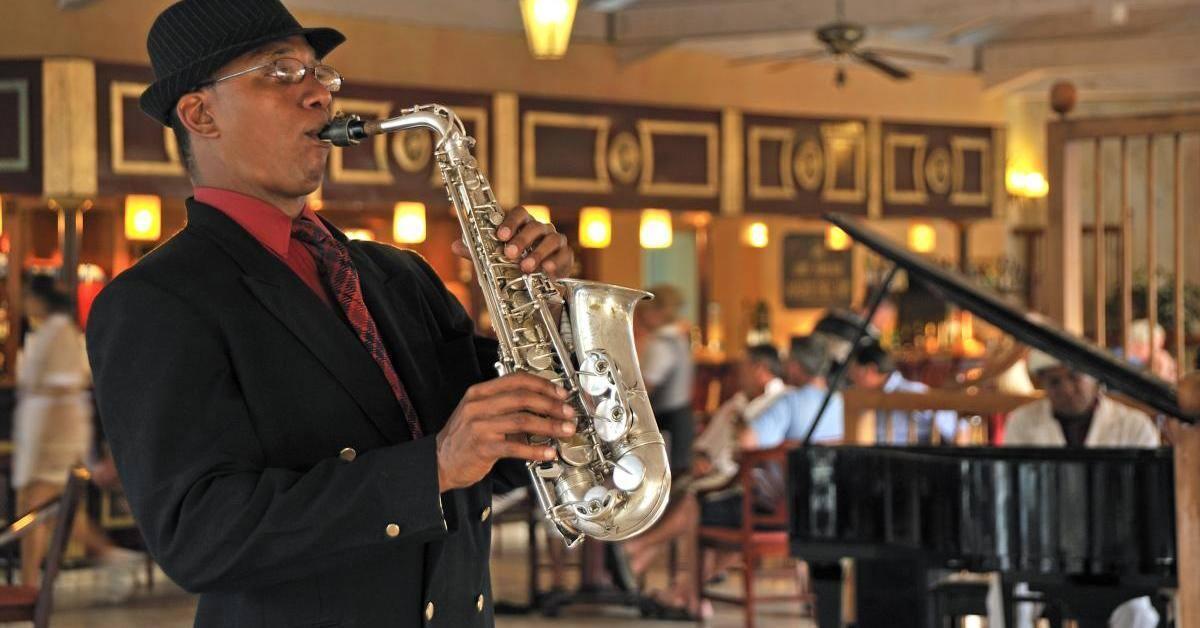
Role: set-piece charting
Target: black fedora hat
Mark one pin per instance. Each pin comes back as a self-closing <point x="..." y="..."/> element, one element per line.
<point x="191" y="39"/>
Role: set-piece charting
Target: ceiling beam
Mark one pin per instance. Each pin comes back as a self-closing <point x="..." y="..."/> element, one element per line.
<point x="1012" y="66"/>
<point x="648" y="23"/>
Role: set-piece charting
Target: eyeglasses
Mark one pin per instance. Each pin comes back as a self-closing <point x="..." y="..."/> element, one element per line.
<point x="289" y="71"/>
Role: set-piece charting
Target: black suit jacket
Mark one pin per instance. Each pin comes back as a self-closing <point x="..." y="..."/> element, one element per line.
<point x="229" y="393"/>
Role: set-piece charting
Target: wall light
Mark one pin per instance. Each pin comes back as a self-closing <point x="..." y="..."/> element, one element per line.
<point x="548" y="26"/>
<point x="836" y="239"/>
<point x="756" y="235"/>
<point x="408" y="223"/>
<point x="540" y="213"/>
<point x="359" y="234"/>
<point x="655" y="231"/>
<point x="595" y="227"/>
<point x="143" y="217"/>
<point x="1026" y="184"/>
<point x="922" y="237"/>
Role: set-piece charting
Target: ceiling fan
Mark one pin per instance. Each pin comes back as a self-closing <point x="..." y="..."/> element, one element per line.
<point x="840" y="40"/>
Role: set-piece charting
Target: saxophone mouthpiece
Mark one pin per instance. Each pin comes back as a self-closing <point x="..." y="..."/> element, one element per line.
<point x="345" y="130"/>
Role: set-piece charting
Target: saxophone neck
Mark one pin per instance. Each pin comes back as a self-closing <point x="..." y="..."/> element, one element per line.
<point x="348" y="130"/>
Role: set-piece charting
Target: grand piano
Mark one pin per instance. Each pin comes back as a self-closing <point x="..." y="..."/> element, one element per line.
<point x="1085" y="529"/>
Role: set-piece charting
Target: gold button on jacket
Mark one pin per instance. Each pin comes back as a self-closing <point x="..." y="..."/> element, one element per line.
<point x="487" y="512"/>
<point x="479" y="603"/>
<point x="429" y="611"/>
<point x="348" y="454"/>
<point x="392" y="530"/>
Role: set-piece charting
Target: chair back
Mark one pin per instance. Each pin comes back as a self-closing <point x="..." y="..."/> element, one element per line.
<point x="762" y="474"/>
<point x="68" y="503"/>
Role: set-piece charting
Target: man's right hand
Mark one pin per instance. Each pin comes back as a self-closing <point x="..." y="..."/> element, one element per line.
<point x="477" y="433"/>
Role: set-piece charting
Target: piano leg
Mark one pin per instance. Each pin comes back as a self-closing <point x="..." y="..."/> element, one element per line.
<point x="892" y="594"/>
<point x="826" y="579"/>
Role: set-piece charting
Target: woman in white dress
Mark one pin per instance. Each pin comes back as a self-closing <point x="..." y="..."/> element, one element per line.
<point x="52" y="423"/>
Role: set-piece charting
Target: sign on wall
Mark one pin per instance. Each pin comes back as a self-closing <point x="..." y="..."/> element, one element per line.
<point x="813" y="275"/>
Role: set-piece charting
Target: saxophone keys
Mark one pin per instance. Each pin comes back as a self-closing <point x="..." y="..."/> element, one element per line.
<point x="628" y="472"/>
<point x="611" y="421"/>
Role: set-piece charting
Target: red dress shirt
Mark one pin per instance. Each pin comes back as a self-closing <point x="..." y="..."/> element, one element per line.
<point x="273" y="229"/>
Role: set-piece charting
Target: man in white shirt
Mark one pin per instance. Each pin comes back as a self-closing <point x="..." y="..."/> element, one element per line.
<point x="761" y="390"/>
<point x="1076" y="413"/>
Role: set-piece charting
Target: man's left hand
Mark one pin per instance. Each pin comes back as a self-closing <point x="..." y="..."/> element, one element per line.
<point x="537" y="245"/>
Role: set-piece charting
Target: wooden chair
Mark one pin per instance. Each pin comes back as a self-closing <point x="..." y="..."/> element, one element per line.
<point x="760" y="536"/>
<point x="30" y="603"/>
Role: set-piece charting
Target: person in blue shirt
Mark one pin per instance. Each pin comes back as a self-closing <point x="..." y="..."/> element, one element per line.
<point x="874" y="369"/>
<point x="790" y="416"/>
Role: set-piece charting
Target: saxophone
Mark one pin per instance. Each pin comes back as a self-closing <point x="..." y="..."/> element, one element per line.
<point x="610" y="480"/>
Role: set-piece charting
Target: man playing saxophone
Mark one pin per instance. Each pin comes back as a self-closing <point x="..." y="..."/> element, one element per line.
<point x="306" y="427"/>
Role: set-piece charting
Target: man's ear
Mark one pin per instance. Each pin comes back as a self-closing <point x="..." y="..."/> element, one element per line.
<point x="193" y="111"/>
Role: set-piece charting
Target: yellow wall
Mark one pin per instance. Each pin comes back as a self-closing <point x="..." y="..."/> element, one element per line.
<point x="390" y="52"/>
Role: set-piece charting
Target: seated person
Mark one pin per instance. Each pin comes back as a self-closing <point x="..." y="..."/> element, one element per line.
<point x="1141" y="342"/>
<point x="1076" y="413"/>
<point x="758" y="375"/>
<point x="785" y="413"/>
<point x="874" y="369"/>
<point x="790" y="417"/>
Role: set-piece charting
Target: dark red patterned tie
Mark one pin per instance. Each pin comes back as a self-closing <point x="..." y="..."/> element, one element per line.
<point x="333" y="262"/>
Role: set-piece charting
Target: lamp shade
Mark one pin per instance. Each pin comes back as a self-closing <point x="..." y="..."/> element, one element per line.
<point x="922" y="237"/>
<point x="548" y="26"/>
<point x="756" y="235"/>
<point x="540" y="213"/>
<point x="360" y="234"/>
<point x="408" y="223"/>
<point x="655" y="231"/>
<point x="143" y="217"/>
<point x="836" y="239"/>
<point x="595" y="227"/>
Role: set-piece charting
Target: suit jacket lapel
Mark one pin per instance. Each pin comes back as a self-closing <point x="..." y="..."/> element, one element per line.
<point x="312" y="322"/>
<point x="392" y="318"/>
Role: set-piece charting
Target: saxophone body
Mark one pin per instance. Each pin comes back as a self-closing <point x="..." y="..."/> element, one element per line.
<point x="611" y="479"/>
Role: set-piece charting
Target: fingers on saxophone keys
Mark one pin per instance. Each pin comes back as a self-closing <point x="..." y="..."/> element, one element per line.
<point x="516" y="218"/>
<point x="525" y="451"/>
<point x="535" y="403"/>
<point x="535" y="425"/>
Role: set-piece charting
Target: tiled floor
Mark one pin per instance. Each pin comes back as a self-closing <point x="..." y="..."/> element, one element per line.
<point x="167" y="606"/>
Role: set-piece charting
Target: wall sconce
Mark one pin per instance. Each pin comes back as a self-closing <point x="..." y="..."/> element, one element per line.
<point x="408" y="223"/>
<point x="540" y="213"/>
<point x="756" y="235"/>
<point x="143" y="217"/>
<point x="595" y="227"/>
<point x="360" y="234"/>
<point x="922" y="237"/>
<point x="655" y="231"/>
<point x="548" y="26"/>
<point x="836" y="239"/>
<point x="1026" y="184"/>
<point x="314" y="200"/>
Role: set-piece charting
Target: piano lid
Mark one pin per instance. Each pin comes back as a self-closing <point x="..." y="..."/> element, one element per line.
<point x="1118" y="375"/>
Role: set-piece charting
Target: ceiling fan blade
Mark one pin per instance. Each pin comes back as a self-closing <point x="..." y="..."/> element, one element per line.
<point x="913" y="55"/>
<point x="870" y="59"/>
<point x="777" y="57"/>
